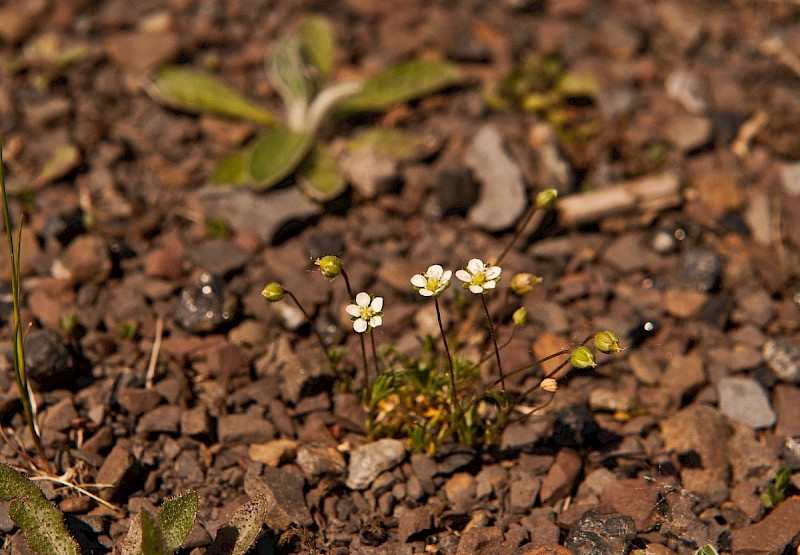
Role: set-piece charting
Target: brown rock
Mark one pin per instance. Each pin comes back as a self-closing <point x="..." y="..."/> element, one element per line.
<point x="137" y="400"/>
<point x="771" y="535"/>
<point x="634" y="498"/>
<point x="273" y="453"/>
<point x="164" y="419"/>
<point x="550" y="548"/>
<point x="116" y="467"/>
<point x="460" y="490"/>
<point x="684" y="303"/>
<point x="87" y="260"/>
<point x="414" y="522"/>
<point x="142" y="51"/>
<point x="244" y="428"/>
<point x="477" y="541"/>
<point x="684" y="373"/>
<point x="785" y="400"/>
<point x="560" y="479"/>
<point x="284" y="493"/>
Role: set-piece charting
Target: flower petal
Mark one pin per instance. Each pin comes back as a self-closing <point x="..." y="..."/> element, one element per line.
<point x="493" y="271"/>
<point x="475" y="266"/>
<point x="418" y="280"/>
<point x="426" y="292"/>
<point x="377" y="304"/>
<point x="447" y="275"/>
<point x="489" y="285"/>
<point x="353" y="310"/>
<point x="362" y="299"/>
<point x="360" y="325"/>
<point x="477" y="289"/>
<point x="375" y="321"/>
<point x="434" y="271"/>
<point x="464" y="276"/>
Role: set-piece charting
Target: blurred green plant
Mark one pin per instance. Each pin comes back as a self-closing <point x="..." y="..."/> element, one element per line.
<point x="300" y="69"/>
<point x="775" y="491"/>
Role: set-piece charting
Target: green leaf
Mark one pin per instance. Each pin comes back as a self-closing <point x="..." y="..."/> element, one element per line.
<point x="707" y="550"/>
<point x="276" y="155"/>
<point x="236" y="537"/>
<point x="234" y="168"/>
<point x="318" y="43"/>
<point x="176" y="518"/>
<point x="287" y="73"/>
<point x="199" y="93"/>
<point x="578" y="85"/>
<point x="42" y="523"/>
<point x="394" y="143"/>
<point x="152" y="537"/>
<point x="319" y="176"/>
<point x="401" y="83"/>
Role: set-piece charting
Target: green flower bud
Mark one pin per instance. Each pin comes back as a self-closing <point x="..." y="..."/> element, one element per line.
<point x="330" y="266"/>
<point x="582" y="357"/>
<point x="546" y="199"/>
<point x="520" y="316"/>
<point x="273" y="292"/>
<point x="607" y="342"/>
<point x="523" y="283"/>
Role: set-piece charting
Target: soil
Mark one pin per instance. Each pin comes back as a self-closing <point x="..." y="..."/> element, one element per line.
<point x="158" y="367"/>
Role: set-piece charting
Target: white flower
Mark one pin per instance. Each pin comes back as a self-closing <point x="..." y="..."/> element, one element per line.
<point x="432" y="282"/>
<point x="479" y="276"/>
<point x="367" y="313"/>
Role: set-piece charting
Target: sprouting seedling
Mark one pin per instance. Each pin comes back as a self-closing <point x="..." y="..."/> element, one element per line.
<point x="300" y="68"/>
<point x="775" y="492"/>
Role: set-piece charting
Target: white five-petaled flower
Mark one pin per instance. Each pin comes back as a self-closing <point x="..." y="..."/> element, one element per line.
<point x="432" y="282"/>
<point x="479" y="276"/>
<point x="367" y="312"/>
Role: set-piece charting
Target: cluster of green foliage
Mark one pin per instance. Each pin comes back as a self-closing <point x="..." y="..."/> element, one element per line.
<point x="301" y="70"/>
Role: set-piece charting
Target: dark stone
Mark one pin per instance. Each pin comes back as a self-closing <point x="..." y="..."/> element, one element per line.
<point x="323" y="243"/>
<point x="456" y="191"/>
<point x="204" y="306"/>
<point x="596" y="533"/>
<point x="48" y="361"/>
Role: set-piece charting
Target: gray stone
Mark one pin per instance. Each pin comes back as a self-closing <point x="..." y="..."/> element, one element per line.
<point x="783" y="356"/>
<point x="553" y="169"/>
<point x="503" y="197"/>
<point x="745" y="400"/>
<point x="218" y="256"/>
<point x="524" y="434"/>
<point x="370" y="172"/>
<point x="47" y="359"/>
<point x="522" y="492"/>
<point x="601" y="534"/>
<point x="700" y="269"/>
<point x="456" y="191"/>
<point x="369" y="460"/>
<point x="267" y="215"/>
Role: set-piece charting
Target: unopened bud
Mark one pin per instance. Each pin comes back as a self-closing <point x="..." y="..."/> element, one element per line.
<point x="546" y="199"/>
<point x="549" y="384"/>
<point x="582" y="357"/>
<point x="607" y="342"/>
<point x="520" y="316"/>
<point x="273" y="292"/>
<point x="330" y="266"/>
<point x="523" y="283"/>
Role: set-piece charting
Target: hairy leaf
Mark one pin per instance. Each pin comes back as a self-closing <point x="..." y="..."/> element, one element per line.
<point x="707" y="550"/>
<point x="176" y="518"/>
<point x="276" y="155"/>
<point x="152" y="537"/>
<point x="318" y="43"/>
<point x="234" y="168"/>
<point x="199" y="93"/>
<point x="236" y="537"/>
<point x="401" y="83"/>
<point x="42" y="523"/>
<point x="394" y="143"/>
<point x="319" y="176"/>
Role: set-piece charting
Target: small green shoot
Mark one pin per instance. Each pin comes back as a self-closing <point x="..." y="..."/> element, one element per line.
<point x="707" y="550"/>
<point x="775" y="492"/>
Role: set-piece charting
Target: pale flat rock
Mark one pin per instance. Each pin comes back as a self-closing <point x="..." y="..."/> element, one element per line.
<point x="369" y="460"/>
<point x="746" y="401"/>
<point x="503" y="197"/>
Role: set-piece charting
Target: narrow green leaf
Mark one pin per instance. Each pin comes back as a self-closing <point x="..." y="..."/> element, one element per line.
<point x="319" y="176"/>
<point x="236" y="537"/>
<point x="152" y="537"/>
<point x="176" y="518"/>
<point x="401" y="83"/>
<point x="42" y="523"/>
<point x="234" y="168"/>
<point x="318" y="43"/>
<point x="394" y="143"/>
<point x="276" y="155"/>
<point x="199" y="93"/>
<point x="64" y="159"/>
